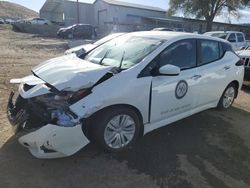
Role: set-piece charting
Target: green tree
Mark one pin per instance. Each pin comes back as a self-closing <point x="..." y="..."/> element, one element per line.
<point x="206" y="9"/>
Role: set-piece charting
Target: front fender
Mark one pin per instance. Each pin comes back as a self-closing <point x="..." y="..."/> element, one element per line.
<point x="134" y="92"/>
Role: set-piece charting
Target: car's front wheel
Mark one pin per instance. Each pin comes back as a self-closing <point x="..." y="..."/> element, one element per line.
<point x="116" y="129"/>
<point x="227" y="98"/>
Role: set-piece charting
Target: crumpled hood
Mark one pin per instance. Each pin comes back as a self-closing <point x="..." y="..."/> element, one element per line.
<point x="70" y="73"/>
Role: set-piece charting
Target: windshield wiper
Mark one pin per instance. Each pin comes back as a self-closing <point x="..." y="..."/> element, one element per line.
<point x="120" y="66"/>
<point x="105" y="55"/>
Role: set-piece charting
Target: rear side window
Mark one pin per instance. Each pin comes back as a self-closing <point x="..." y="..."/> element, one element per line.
<point x="240" y="37"/>
<point x="209" y="51"/>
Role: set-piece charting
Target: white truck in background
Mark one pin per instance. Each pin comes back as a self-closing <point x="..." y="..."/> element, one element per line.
<point x="237" y="39"/>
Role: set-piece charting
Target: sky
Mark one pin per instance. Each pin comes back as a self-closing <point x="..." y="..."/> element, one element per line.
<point x="245" y="14"/>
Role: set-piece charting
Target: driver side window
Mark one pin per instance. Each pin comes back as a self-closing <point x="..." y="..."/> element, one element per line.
<point x="181" y="54"/>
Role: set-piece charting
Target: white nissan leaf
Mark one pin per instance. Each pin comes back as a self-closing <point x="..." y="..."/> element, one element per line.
<point x="122" y="90"/>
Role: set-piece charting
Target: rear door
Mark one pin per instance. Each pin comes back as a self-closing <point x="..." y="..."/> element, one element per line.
<point x="213" y="68"/>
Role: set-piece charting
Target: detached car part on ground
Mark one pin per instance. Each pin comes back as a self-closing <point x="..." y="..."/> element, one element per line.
<point x="83" y="49"/>
<point x="122" y="90"/>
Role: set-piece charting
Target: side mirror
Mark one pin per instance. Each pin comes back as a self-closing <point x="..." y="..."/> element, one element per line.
<point x="169" y="70"/>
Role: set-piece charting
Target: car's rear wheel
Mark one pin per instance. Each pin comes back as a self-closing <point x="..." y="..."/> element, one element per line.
<point x="227" y="98"/>
<point x="116" y="129"/>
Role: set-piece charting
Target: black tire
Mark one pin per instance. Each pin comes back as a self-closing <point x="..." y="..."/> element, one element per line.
<point x="100" y="124"/>
<point x="221" y="105"/>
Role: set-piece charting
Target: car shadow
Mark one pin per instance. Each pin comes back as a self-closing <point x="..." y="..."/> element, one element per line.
<point x="246" y="89"/>
<point x="201" y="141"/>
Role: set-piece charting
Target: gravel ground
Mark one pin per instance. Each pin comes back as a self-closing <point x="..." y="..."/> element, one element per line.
<point x="209" y="149"/>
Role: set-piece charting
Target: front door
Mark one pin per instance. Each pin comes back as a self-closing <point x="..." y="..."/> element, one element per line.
<point x="175" y="95"/>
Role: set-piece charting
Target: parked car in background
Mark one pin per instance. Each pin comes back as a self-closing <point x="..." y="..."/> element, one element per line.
<point x="162" y="29"/>
<point x="2" y="21"/>
<point x="84" y="31"/>
<point x="83" y="49"/>
<point x="237" y="39"/>
<point x="21" y="21"/>
<point x="121" y="90"/>
<point x="39" y="21"/>
<point x="245" y="56"/>
<point x="9" y="21"/>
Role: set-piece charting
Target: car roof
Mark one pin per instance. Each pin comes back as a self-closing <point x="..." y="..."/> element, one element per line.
<point x="170" y="35"/>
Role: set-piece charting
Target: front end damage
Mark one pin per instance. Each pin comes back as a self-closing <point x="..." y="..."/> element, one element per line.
<point x="52" y="132"/>
<point x="42" y="107"/>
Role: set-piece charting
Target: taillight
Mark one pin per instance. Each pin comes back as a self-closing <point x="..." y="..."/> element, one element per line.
<point x="240" y="63"/>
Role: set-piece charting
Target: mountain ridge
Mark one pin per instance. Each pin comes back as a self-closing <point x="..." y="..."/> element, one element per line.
<point x="15" y="11"/>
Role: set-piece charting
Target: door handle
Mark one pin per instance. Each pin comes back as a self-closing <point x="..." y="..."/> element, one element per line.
<point x="196" y="77"/>
<point x="227" y="67"/>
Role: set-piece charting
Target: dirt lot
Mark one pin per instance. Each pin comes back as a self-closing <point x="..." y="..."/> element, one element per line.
<point x="209" y="149"/>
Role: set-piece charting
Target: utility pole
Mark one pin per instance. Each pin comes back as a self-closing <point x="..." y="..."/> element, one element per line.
<point x="77" y="11"/>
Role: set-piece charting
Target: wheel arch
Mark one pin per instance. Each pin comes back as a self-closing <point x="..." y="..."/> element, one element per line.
<point x="237" y="84"/>
<point x="136" y="110"/>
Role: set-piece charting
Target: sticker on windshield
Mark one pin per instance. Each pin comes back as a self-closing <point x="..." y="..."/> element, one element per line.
<point x="181" y="89"/>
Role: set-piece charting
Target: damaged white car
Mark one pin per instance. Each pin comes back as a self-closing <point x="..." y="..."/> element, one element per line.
<point x="122" y="90"/>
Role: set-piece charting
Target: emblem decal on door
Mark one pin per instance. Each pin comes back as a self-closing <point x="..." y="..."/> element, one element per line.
<point x="181" y="89"/>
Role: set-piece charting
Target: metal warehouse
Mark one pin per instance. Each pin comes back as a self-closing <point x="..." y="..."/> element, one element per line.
<point x="113" y="15"/>
<point x="105" y="14"/>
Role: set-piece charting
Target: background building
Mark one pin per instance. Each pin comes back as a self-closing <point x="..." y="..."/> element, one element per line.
<point x="112" y="15"/>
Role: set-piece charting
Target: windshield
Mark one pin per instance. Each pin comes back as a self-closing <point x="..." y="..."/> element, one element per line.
<point x="123" y="52"/>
